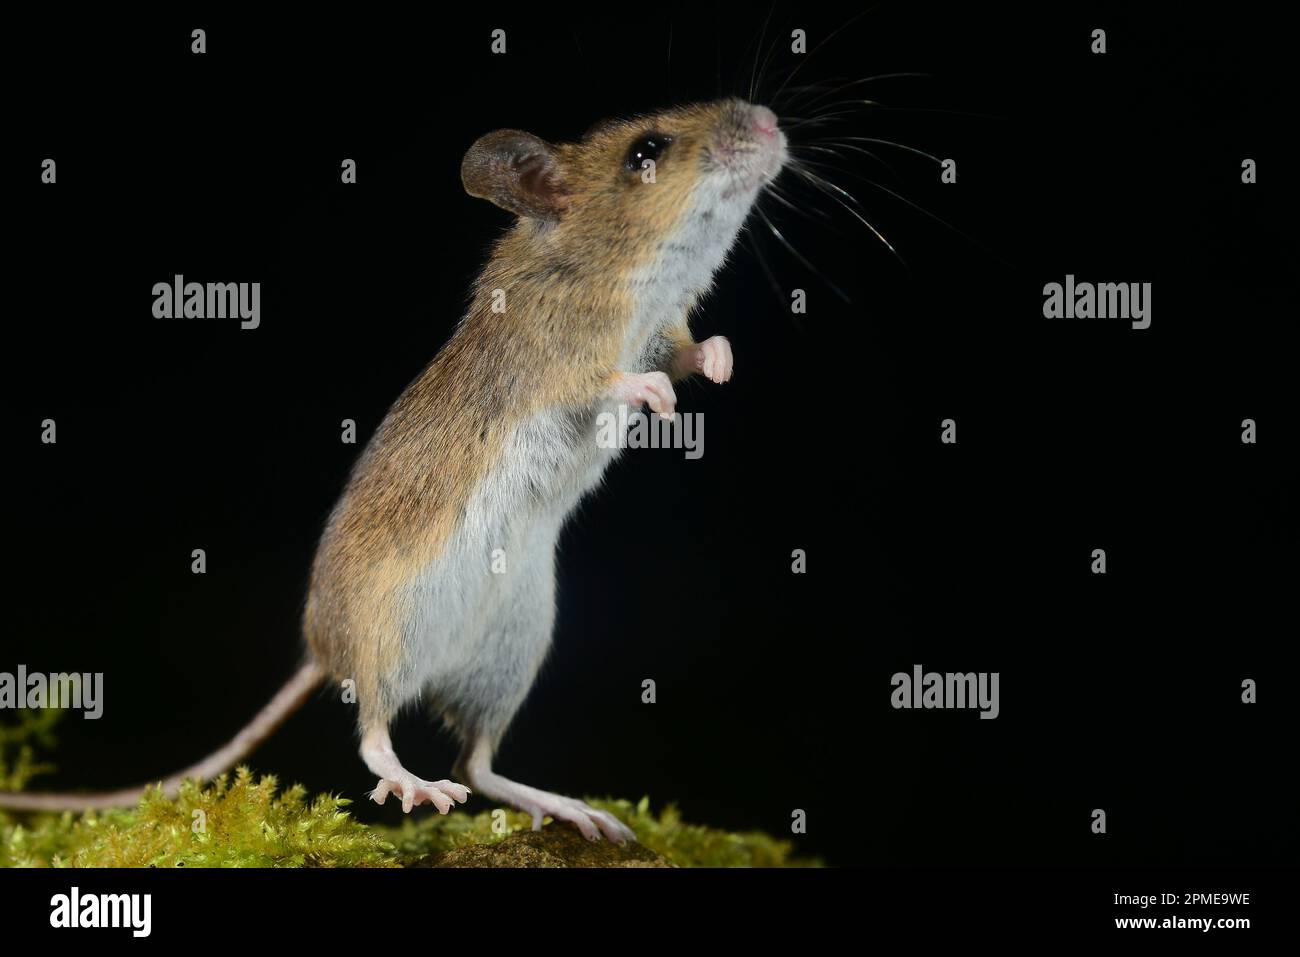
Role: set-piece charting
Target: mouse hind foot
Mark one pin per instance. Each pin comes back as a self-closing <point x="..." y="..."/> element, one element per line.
<point x="377" y="752"/>
<point x="592" y="822"/>
<point x="413" y="792"/>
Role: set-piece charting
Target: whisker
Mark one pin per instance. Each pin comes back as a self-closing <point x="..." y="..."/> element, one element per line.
<point x="821" y="85"/>
<point x="840" y="89"/>
<point x="877" y="106"/>
<point x="781" y="198"/>
<point x="757" y="88"/>
<point x="758" y="51"/>
<point x="938" y="219"/>
<point x="799" y="256"/>
<point x="910" y="149"/>
<point x="834" y="33"/>
<point x="817" y="147"/>
<point x="818" y="120"/>
<point x="831" y="190"/>
<point x="916" y="206"/>
<point x="767" y="270"/>
<point x="846" y="82"/>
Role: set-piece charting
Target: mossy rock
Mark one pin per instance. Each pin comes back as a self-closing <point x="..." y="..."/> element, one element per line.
<point x="242" y="820"/>
<point x="555" y="845"/>
<point x="504" y="838"/>
<point x="246" y="821"/>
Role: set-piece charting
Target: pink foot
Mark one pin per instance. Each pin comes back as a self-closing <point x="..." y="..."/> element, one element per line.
<point x="591" y="822"/>
<point x="652" y="388"/>
<point x="413" y="791"/>
<point x="713" y="358"/>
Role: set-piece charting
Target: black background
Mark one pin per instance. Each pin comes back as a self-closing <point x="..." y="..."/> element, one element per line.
<point x="1120" y="692"/>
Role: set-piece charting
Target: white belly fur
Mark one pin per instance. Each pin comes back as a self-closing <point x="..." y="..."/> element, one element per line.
<point x="476" y="636"/>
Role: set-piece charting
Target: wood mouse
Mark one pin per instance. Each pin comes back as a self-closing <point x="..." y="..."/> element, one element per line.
<point x="583" y="306"/>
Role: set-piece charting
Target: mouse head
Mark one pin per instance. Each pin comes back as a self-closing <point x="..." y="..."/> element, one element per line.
<point x="686" y="176"/>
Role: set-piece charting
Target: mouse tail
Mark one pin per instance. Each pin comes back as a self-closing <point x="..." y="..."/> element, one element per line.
<point x="286" y="701"/>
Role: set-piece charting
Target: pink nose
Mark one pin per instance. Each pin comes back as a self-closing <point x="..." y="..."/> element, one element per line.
<point x="765" y="121"/>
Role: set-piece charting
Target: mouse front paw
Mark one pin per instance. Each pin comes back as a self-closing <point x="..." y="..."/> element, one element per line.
<point x="413" y="791"/>
<point x="713" y="358"/>
<point x="651" y="388"/>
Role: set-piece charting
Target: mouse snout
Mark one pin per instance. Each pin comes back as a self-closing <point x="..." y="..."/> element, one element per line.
<point x="765" y="122"/>
<point x="759" y="141"/>
<point x="746" y="147"/>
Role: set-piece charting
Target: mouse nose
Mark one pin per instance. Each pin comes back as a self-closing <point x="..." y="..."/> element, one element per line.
<point x="765" y="122"/>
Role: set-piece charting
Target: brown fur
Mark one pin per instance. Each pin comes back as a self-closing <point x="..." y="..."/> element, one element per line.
<point x="557" y="343"/>
<point x="564" y="268"/>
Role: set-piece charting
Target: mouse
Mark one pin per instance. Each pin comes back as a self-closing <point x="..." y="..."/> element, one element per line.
<point x="434" y="581"/>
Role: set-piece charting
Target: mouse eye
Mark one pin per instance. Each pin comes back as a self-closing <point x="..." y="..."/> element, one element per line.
<point x="648" y="147"/>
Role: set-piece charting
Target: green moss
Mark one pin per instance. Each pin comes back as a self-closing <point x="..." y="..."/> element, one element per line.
<point x="421" y="840"/>
<point x="233" y="822"/>
<point x="245" y="821"/>
<point x="18" y="764"/>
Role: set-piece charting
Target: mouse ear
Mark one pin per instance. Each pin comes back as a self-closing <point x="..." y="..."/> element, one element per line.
<point x="515" y="170"/>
